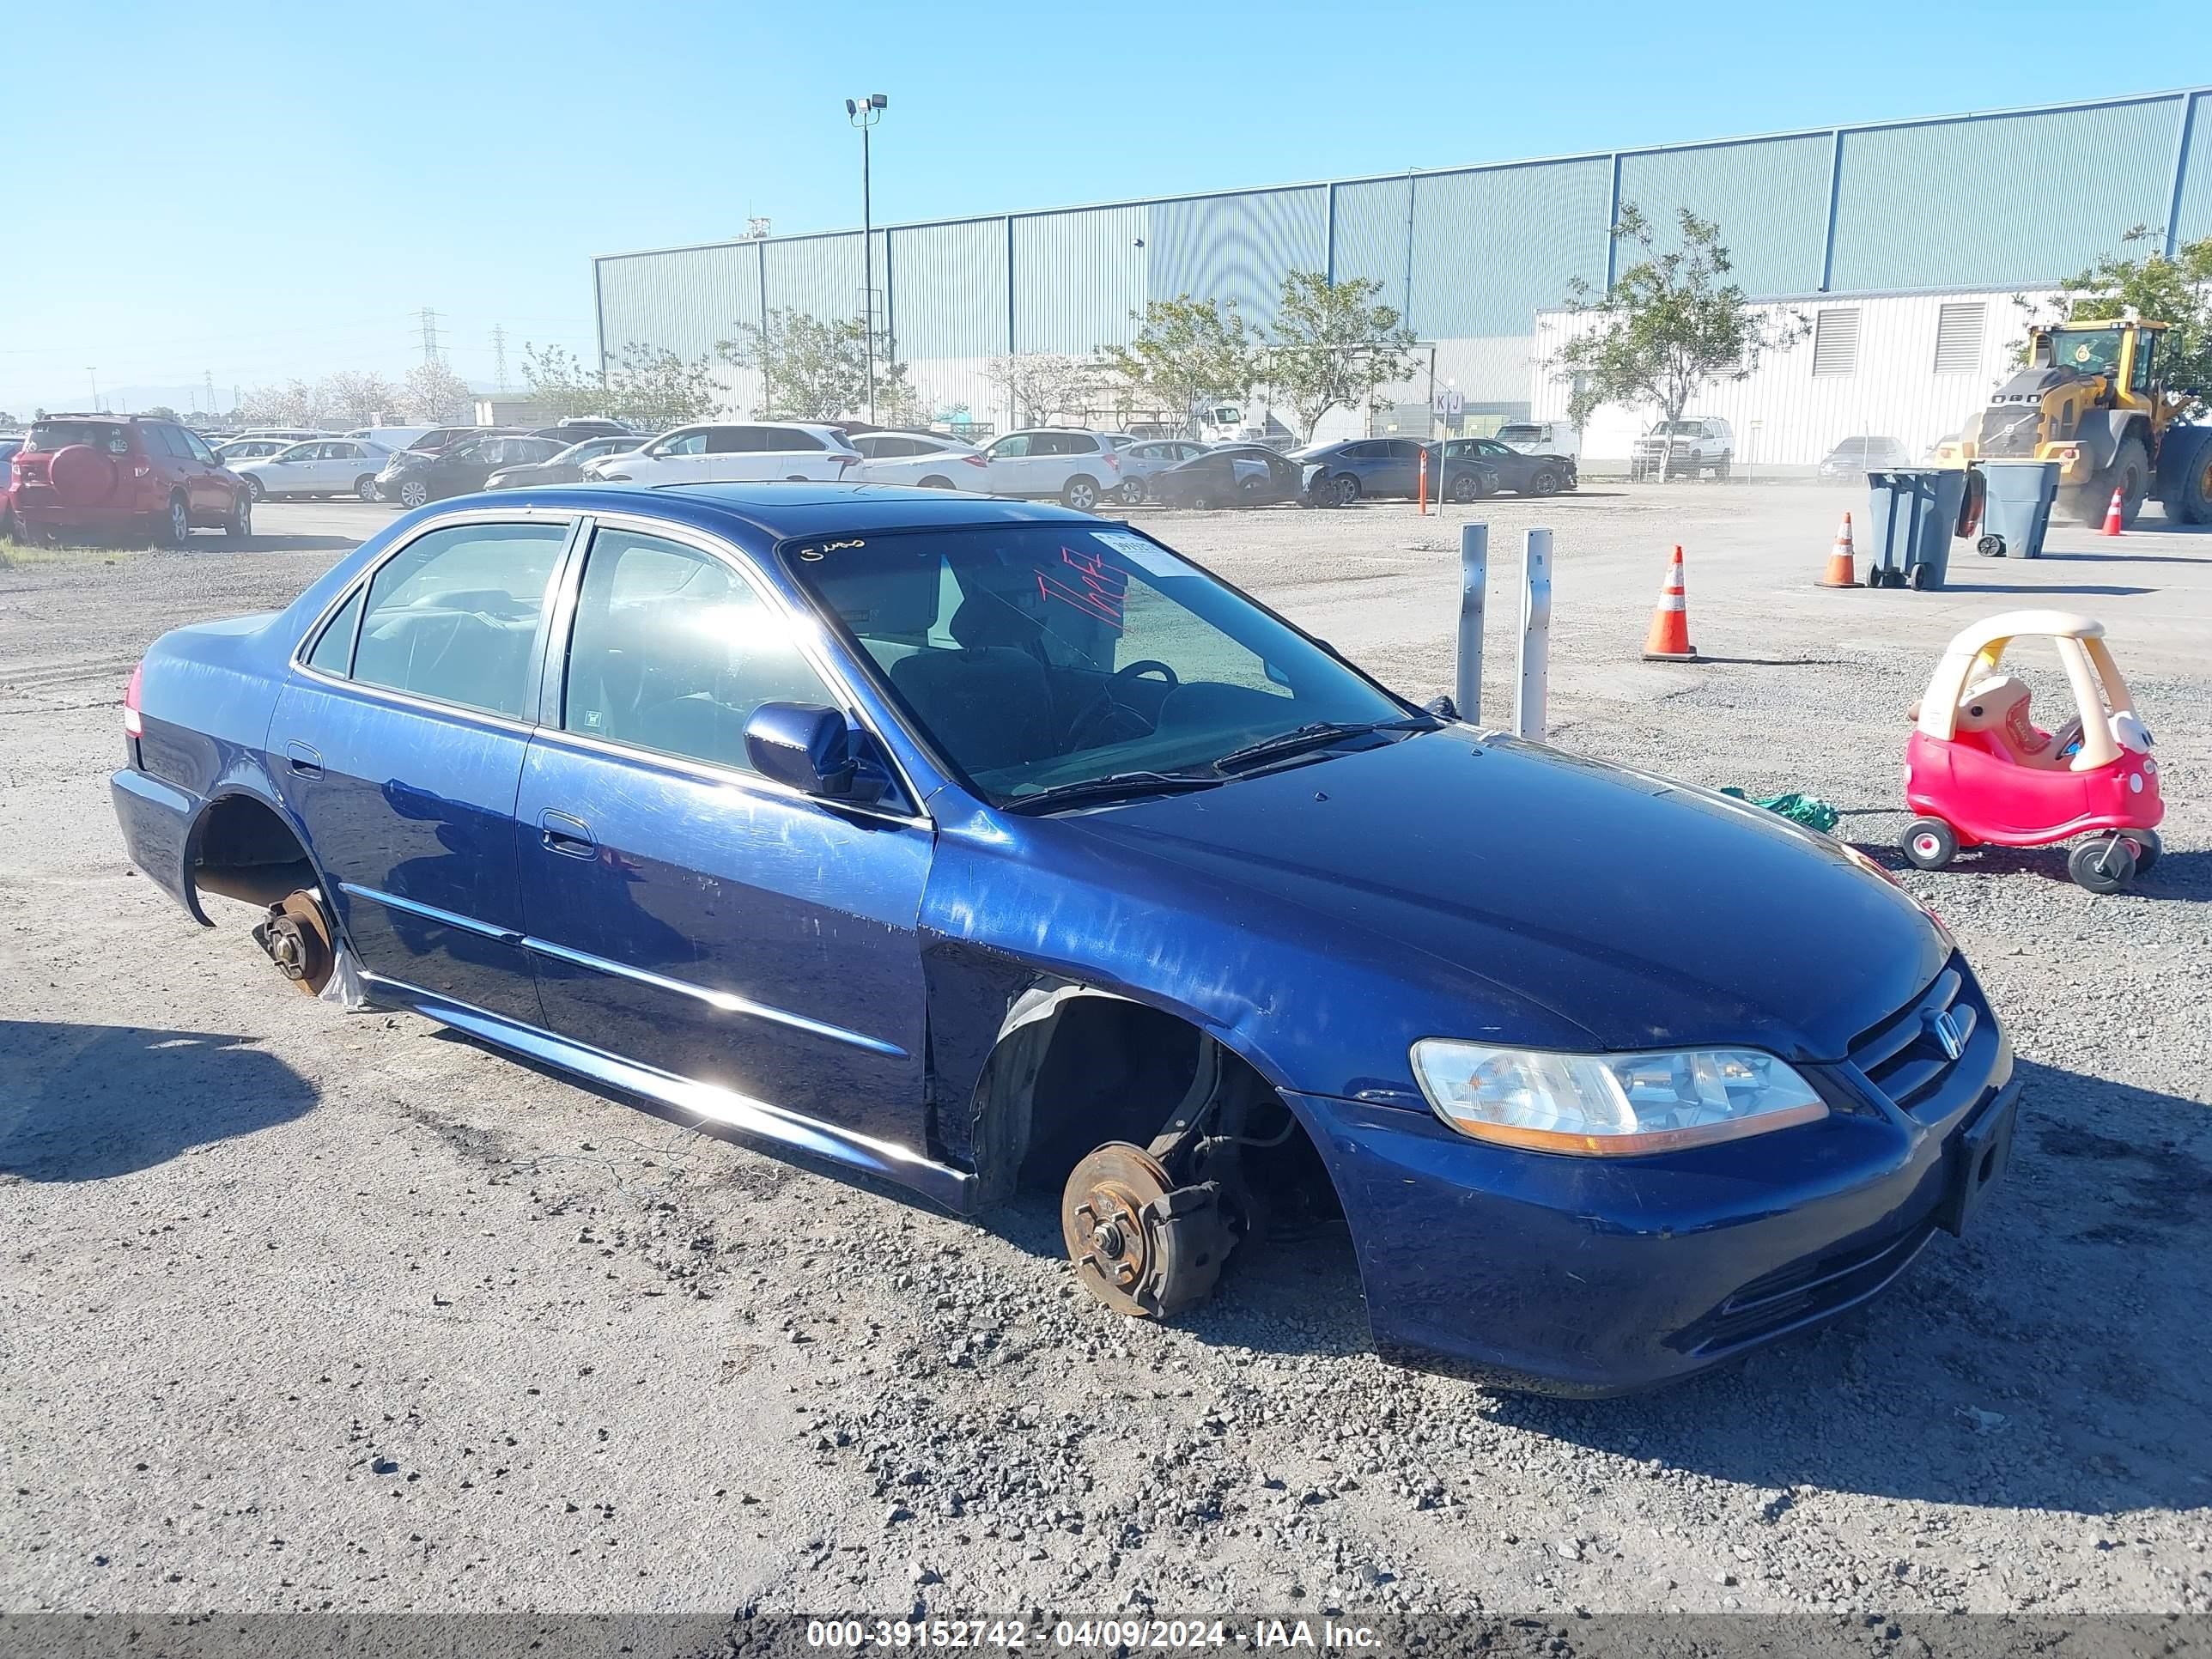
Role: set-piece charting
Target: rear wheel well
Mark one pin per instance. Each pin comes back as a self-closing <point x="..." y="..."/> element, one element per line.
<point x="1094" y="1068"/>
<point x="243" y="848"/>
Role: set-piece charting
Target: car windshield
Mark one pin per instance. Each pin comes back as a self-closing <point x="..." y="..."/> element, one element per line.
<point x="1519" y="434"/>
<point x="1037" y="656"/>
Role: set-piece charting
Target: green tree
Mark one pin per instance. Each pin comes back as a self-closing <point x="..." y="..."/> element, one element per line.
<point x="813" y="370"/>
<point x="653" y="389"/>
<point x="158" y="412"/>
<point x="1186" y="352"/>
<point x="2177" y="291"/>
<point x="560" y="385"/>
<point x="1672" y="325"/>
<point x="1334" y="346"/>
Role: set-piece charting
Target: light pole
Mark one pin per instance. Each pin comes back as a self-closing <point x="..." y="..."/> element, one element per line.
<point x="93" y="374"/>
<point x="864" y="113"/>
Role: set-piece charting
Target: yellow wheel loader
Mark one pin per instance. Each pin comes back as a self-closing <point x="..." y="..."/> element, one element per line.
<point x="2093" y="398"/>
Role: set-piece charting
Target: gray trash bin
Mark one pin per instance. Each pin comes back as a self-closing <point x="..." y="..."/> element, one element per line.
<point x="2016" y="508"/>
<point x="1913" y="512"/>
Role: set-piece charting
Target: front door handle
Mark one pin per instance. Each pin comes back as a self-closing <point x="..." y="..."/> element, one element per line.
<point x="567" y="836"/>
<point x="306" y="762"/>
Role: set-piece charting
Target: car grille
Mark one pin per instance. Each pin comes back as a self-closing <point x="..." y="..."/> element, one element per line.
<point x="1803" y="1290"/>
<point x="1903" y="1056"/>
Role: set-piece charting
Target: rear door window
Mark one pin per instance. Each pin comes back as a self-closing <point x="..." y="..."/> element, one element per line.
<point x="454" y="616"/>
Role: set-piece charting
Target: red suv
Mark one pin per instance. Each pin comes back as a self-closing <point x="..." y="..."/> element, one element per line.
<point x="109" y="472"/>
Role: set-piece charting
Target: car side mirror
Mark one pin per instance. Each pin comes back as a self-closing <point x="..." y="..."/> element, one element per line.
<point x="813" y="750"/>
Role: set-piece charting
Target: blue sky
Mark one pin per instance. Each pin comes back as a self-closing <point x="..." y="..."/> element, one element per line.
<point x="263" y="190"/>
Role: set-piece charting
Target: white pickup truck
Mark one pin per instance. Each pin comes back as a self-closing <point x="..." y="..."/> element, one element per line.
<point x="1687" y="448"/>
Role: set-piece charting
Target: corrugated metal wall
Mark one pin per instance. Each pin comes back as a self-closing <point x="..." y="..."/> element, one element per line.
<point x="1237" y="247"/>
<point x="1078" y="276"/>
<point x="2194" y="218"/>
<point x="1374" y="228"/>
<point x="1492" y="248"/>
<point x="1770" y="198"/>
<point x="1991" y="202"/>
<point x="686" y="299"/>
<point x="2021" y="198"/>
<point x="948" y="296"/>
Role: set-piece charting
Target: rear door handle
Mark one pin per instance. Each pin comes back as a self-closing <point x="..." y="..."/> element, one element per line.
<point x="565" y="835"/>
<point x="306" y="762"/>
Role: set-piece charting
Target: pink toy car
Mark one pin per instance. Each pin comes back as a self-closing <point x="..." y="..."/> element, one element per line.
<point x="1979" y="772"/>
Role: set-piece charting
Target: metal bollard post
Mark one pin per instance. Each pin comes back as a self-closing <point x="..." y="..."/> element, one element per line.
<point x="1474" y="577"/>
<point x="1535" y="636"/>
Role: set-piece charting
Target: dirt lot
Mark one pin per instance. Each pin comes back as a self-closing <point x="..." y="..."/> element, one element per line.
<point x="310" y="1310"/>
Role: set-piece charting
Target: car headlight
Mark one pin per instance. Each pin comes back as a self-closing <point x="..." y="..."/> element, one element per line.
<point x="1611" y="1105"/>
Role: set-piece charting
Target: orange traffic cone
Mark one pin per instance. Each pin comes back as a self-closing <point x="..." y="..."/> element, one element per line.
<point x="1843" y="560"/>
<point x="2112" y="513"/>
<point x="1669" y="638"/>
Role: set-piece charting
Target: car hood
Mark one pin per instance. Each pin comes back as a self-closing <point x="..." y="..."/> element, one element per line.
<point x="1643" y="911"/>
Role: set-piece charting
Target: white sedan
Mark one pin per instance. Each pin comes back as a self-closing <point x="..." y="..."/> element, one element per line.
<point x="928" y="459"/>
<point x="322" y="466"/>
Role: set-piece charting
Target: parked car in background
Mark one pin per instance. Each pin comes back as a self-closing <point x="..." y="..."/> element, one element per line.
<point x="8" y="446"/>
<point x="1542" y="438"/>
<point x="252" y="449"/>
<point x="749" y="451"/>
<point x="565" y="465"/>
<point x="1854" y="456"/>
<point x="1509" y="469"/>
<point x="1076" y="465"/>
<point x="106" y="473"/>
<point x="1368" y="467"/>
<point x="414" y="476"/>
<point x="575" y="429"/>
<point x="1147" y="459"/>
<point x="808" y="812"/>
<point x="436" y="438"/>
<point x="290" y="434"/>
<point x="1235" y="475"/>
<point x="322" y="466"/>
<point x="928" y="459"/>
<point x="394" y="438"/>
<point x="1683" y="449"/>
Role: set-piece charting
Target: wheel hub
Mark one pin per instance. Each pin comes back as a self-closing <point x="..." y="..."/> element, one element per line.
<point x="297" y="940"/>
<point x="1140" y="1244"/>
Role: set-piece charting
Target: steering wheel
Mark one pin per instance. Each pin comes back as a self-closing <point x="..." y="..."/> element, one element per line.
<point x="1085" y="726"/>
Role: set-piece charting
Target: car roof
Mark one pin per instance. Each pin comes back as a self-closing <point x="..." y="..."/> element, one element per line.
<point x="780" y="510"/>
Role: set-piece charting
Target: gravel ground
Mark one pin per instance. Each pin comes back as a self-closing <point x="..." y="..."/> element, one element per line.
<point x="306" y="1310"/>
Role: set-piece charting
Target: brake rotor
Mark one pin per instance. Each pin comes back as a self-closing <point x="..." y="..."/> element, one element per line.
<point x="298" y="941"/>
<point x="1142" y="1245"/>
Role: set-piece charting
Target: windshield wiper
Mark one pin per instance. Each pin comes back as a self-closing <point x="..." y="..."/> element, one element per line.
<point x="1117" y="786"/>
<point x="1318" y="735"/>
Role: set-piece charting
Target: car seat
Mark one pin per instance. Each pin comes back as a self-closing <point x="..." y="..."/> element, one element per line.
<point x="989" y="702"/>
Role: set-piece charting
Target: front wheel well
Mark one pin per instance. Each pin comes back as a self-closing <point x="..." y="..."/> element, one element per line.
<point x="243" y="848"/>
<point x="1086" y="1068"/>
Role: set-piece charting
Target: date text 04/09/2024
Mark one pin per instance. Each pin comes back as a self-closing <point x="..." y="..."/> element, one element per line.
<point x="1166" y="1635"/>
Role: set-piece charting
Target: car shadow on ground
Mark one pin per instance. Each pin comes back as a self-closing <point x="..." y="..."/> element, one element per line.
<point x="2183" y="874"/>
<point x="84" y="1102"/>
<point x="2120" y="558"/>
<point x="297" y="544"/>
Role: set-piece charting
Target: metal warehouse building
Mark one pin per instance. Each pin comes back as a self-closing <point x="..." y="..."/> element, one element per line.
<point x="1922" y="231"/>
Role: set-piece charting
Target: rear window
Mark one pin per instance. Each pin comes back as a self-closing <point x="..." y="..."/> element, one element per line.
<point x="1520" y="435"/>
<point x="101" y="435"/>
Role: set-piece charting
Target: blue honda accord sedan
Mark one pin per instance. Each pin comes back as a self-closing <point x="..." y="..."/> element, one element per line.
<point x="980" y="845"/>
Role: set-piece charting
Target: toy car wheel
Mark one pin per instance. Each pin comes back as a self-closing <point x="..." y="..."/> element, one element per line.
<point x="1930" y="843"/>
<point x="2103" y="866"/>
<point x="2148" y="848"/>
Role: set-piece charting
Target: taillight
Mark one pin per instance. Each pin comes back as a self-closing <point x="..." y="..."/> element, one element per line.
<point x="977" y="460"/>
<point x="1113" y="461"/>
<point x="134" y="725"/>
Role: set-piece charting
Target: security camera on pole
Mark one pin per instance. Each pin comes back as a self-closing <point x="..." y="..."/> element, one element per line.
<point x="864" y="113"/>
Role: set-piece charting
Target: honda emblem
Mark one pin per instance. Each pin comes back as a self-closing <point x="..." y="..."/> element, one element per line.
<point x="1944" y="1030"/>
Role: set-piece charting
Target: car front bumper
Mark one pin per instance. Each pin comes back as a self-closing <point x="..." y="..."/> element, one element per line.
<point x="1593" y="1277"/>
